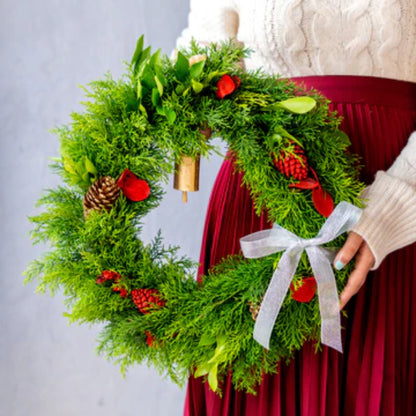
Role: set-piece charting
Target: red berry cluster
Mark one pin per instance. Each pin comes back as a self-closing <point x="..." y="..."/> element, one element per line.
<point x="294" y="164"/>
<point x="146" y="299"/>
<point x="110" y="276"/>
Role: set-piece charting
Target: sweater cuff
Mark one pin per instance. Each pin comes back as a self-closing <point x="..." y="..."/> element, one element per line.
<point x="389" y="220"/>
<point x="405" y="165"/>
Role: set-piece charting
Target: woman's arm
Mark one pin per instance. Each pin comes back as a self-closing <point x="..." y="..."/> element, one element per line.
<point x="388" y="221"/>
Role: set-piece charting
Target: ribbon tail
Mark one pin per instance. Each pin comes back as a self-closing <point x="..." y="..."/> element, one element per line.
<point x="275" y="295"/>
<point x="328" y="298"/>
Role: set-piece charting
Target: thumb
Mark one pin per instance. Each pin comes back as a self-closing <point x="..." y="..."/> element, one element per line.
<point x="348" y="251"/>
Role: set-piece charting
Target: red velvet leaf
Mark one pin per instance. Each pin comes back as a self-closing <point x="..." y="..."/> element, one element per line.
<point x="150" y="339"/>
<point x="314" y="174"/>
<point x="225" y="86"/>
<point x="237" y="81"/>
<point x="108" y="275"/>
<point x="132" y="187"/>
<point x="306" y="292"/>
<point x="307" y="183"/>
<point x="322" y="201"/>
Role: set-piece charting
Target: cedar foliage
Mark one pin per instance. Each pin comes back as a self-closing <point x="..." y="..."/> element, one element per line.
<point x="144" y="122"/>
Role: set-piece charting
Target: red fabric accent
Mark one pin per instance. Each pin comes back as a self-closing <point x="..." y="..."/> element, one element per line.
<point x="132" y="187"/>
<point x="376" y="374"/>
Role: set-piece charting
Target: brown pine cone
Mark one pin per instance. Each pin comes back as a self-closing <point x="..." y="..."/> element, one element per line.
<point x="146" y="299"/>
<point x="101" y="195"/>
<point x="254" y="309"/>
<point x="294" y="164"/>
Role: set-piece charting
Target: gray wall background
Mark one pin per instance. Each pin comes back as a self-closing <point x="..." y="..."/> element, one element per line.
<point x="48" y="48"/>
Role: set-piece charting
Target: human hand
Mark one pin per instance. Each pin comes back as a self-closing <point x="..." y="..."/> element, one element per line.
<point x="355" y="246"/>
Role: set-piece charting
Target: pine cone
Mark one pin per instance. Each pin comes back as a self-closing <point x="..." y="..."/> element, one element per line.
<point x="294" y="164"/>
<point x="101" y="195"/>
<point x="254" y="309"/>
<point x="146" y="299"/>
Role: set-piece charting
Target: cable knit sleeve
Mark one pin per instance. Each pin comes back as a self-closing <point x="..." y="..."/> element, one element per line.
<point x="210" y="21"/>
<point x="389" y="219"/>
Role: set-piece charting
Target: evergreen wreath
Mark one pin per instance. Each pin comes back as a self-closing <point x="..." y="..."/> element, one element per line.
<point x="114" y="157"/>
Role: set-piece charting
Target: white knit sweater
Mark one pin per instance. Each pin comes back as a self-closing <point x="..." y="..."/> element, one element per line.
<point x="332" y="37"/>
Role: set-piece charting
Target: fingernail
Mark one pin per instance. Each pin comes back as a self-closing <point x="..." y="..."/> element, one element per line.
<point x="339" y="264"/>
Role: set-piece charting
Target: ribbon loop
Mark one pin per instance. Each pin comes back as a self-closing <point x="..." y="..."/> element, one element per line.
<point x="266" y="242"/>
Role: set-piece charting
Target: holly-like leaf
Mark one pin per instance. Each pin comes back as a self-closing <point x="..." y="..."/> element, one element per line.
<point x="155" y="97"/>
<point x="159" y="85"/>
<point x="148" y="78"/>
<point x="196" y="86"/>
<point x="155" y="60"/>
<point x="202" y="370"/>
<point x="207" y="340"/>
<point x="170" y="115"/>
<point x="182" y="67"/>
<point x="212" y="378"/>
<point x="138" y="51"/>
<point x="196" y="69"/>
<point x="90" y="166"/>
<point x="308" y="183"/>
<point x="322" y="201"/>
<point x="298" y="105"/>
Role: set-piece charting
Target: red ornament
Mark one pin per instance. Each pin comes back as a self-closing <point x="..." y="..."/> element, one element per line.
<point x="146" y="299"/>
<point x="123" y="292"/>
<point x="306" y="292"/>
<point x="293" y="165"/>
<point x="132" y="187"/>
<point x="227" y="85"/>
<point x="322" y="201"/>
<point x="108" y="275"/>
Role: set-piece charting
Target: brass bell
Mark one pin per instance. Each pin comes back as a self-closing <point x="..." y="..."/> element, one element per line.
<point x="186" y="178"/>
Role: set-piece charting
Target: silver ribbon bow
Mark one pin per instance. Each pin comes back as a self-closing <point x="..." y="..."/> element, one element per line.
<point x="263" y="243"/>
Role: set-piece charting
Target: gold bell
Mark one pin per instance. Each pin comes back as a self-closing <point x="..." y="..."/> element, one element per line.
<point x="186" y="178"/>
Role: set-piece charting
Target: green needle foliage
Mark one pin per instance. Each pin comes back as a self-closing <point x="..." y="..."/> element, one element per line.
<point x="145" y="122"/>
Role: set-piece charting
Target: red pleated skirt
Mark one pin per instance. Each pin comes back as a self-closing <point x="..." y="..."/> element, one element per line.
<point x="376" y="373"/>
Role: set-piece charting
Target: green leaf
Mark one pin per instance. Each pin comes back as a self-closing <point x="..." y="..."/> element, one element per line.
<point x="138" y="50"/>
<point x="196" y="86"/>
<point x="143" y="110"/>
<point x="148" y="78"/>
<point x="170" y="115"/>
<point x="80" y="168"/>
<point x="179" y="89"/>
<point x="196" y="69"/>
<point x="182" y="67"/>
<point x="161" y="76"/>
<point x="90" y="166"/>
<point x="69" y="166"/>
<point x="155" y="97"/>
<point x="202" y="370"/>
<point x="155" y="60"/>
<point x="298" y="105"/>
<point x="206" y="340"/>
<point x="212" y="378"/>
<point x="159" y="85"/>
<point x="160" y="110"/>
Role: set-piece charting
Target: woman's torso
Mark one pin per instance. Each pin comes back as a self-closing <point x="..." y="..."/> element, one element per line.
<point x="317" y="37"/>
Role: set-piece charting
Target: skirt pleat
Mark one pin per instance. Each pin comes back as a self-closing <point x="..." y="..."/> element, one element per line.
<point x="376" y="373"/>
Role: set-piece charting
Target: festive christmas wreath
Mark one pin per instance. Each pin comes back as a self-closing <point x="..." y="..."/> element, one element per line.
<point x="114" y="157"/>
